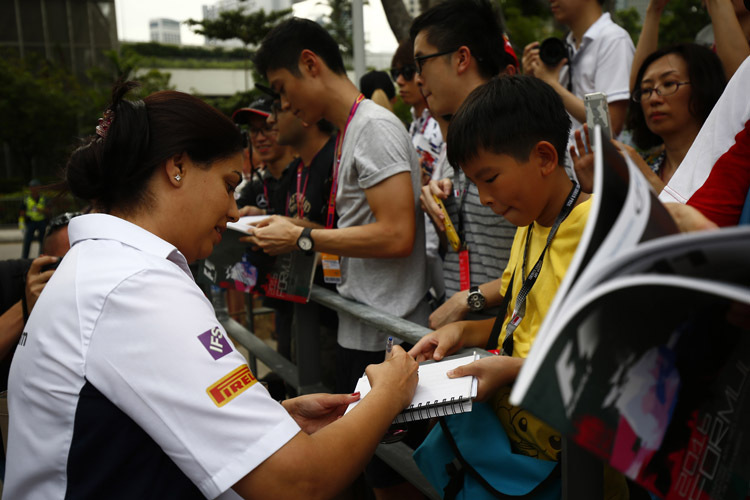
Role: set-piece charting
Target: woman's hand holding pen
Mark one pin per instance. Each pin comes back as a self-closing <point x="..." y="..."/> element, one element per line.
<point x="397" y="375"/>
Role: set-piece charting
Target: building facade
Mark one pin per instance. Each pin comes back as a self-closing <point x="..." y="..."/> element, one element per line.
<point x="165" y="31"/>
<point x="71" y="32"/>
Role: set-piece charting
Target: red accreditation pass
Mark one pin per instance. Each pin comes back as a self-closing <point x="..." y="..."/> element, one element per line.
<point x="463" y="273"/>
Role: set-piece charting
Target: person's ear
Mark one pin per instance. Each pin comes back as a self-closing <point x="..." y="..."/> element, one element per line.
<point x="309" y="63"/>
<point x="544" y="156"/>
<point x="174" y="167"/>
<point x="463" y="56"/>
<point x="510" y="70"/>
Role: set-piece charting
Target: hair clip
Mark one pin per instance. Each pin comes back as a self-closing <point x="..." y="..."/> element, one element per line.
<point x="104" y="123"/>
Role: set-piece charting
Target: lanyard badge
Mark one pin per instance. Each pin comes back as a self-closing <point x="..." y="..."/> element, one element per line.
<point x="331" y="262"/>
<point x="519" y="310"/>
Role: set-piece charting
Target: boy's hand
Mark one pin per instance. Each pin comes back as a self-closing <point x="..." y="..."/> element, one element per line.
<point x="442" y="190"/>
<point x="398" y="375"/>
<point x="439" y="344"/>
<point x="453" y="309"/>
<point x="492" y="373"/>
<point x="583" y="160"/>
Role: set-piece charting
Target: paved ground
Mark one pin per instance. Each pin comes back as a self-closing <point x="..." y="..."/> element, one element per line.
<point x="11" y="243"/>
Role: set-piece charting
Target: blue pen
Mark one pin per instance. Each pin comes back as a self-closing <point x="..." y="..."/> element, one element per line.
<point x="388" y="347"/>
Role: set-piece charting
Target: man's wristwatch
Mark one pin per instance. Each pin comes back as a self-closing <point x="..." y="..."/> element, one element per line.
<point x="305" y="241"/>
<point x="475" y="299"/>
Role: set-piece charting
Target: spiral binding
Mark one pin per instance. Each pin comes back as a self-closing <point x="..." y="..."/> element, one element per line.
<point x="435" y="409"/>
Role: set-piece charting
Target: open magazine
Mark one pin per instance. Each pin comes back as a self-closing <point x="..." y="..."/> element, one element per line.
<point x="236" y="266"/>
<point x="644" y="356"/>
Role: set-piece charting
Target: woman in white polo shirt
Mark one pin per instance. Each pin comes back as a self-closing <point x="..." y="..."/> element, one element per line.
<point x="124" y="384"/>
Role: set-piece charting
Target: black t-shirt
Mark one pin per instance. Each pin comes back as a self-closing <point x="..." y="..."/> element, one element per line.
<point x="261" y="187"/>
<point x="314" y="186"/>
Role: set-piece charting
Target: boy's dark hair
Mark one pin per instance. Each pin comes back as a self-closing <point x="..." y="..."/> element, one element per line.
<point x="508" y="115"/>
<point x="473" y="23"/>
<point x="707" y="82"/>
<point x="283" y="45"/>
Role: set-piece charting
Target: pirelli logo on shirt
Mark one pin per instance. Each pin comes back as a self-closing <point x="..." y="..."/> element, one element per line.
<point x="230" y="386"/>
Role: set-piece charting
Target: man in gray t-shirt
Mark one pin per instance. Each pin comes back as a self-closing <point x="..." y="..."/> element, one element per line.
<point x="377" y="147"/>
<point x="380" y="233"/>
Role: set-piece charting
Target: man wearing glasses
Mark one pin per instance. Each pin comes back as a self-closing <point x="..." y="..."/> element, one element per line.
<point x="458" y="46"/>
<point x="274" y="157"/>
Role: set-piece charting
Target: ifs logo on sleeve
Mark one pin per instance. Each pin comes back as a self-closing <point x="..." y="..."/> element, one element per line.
<point x="215" y="343"/>
<point x="231" y="385"/>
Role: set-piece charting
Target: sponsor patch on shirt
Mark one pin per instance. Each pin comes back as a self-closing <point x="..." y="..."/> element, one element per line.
<point x="230" y="386"/>
<point x="215" y="343"/>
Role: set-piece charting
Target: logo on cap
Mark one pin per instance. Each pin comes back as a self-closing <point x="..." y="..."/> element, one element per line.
<point x="215" y="343"/>
<point x="230" y="386"/>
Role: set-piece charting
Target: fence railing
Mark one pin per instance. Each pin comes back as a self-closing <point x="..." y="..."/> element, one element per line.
<point x="581" y="473"/>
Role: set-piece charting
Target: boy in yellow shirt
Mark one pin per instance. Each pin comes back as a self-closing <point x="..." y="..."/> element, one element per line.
<point x="509" y="137"/>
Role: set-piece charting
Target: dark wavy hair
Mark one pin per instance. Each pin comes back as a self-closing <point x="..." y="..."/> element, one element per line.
<point x="707" y="82"/>
<point x="112" y="172"/>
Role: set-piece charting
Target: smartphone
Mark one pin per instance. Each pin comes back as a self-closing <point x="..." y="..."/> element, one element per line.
<point x="597" y="113"/>
<point x="450" y="231"/>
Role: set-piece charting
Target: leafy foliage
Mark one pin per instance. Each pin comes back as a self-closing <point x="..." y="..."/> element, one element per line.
<point x="339" y="25"/>
<point x="248" y="27"/>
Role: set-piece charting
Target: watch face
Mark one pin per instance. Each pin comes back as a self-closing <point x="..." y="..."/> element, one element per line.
<point x="475" y="302"/>
<point x="305" y="244"/>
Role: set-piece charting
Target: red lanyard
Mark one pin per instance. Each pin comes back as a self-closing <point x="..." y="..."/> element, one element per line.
<point x="300" y="195"/>
<point x="337" y="163"/>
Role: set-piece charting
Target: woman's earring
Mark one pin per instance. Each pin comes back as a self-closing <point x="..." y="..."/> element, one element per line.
<point x="178" y="177"/>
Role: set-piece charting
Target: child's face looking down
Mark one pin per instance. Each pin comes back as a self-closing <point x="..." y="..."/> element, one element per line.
<point x="511" y="188"/>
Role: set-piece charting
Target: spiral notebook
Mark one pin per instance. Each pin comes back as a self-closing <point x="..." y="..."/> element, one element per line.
<point x="436" y="394"/>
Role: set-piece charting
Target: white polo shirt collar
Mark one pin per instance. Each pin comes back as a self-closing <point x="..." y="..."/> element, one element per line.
<point x="591" y="34"/>
<point x="109" y="227"/>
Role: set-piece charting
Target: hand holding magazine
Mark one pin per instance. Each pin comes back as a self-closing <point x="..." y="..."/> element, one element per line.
<point x="644" y="355"/>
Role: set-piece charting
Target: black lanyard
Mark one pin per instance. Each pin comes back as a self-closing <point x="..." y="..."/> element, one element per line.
<point x="519" y="311"/>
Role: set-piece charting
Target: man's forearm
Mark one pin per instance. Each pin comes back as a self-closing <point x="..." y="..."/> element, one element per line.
<point x="376" y="240"/>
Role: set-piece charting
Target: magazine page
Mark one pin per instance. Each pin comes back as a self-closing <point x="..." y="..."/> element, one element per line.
<point x="624" y="213"/>
<point x="652" y="374"/>
<point x="720" y="255"/>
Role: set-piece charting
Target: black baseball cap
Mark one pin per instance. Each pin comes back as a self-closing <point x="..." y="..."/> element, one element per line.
<point x="260" y="107"/>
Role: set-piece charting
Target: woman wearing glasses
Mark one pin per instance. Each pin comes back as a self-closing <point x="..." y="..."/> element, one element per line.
<point x="675" y="89"/>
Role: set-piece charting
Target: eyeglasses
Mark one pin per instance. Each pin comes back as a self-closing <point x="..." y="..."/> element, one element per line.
<point x="265" y="129"/>
<point x="419" y="60"/>
<point x="407" y="72"/>
<point x="667" y="88"/>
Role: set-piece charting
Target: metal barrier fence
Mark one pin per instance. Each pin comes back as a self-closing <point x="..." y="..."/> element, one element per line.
<point x="581" y="472"/>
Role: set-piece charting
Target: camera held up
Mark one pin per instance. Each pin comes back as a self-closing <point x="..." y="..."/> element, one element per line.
<point x="552" y="51"/>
